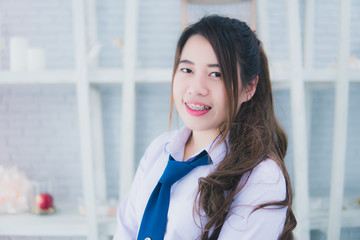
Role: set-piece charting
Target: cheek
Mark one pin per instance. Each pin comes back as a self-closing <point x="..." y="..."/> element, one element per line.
<point x="222" y="96"/>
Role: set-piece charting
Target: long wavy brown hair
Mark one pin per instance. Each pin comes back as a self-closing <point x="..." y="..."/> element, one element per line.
<point x="253" y="131"/>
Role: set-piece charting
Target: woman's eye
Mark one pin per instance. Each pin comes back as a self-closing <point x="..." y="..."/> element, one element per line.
<point x="215" y="74"/>
<point x="186" y="70"/>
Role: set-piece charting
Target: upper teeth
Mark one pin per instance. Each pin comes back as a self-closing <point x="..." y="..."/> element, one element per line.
<point x="197" y="107"/>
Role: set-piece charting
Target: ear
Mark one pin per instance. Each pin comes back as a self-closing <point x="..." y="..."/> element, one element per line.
<point x="251" y="89"/>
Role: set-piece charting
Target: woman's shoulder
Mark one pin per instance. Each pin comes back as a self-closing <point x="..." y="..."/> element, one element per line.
<point x="266" y="182"/>
<point x="268" y="170"/>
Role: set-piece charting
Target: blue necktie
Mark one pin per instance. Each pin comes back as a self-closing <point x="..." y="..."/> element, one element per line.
<point x="153" y="223"/>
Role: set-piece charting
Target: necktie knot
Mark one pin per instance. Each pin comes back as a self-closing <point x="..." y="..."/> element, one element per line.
<point x="174" y="171"/>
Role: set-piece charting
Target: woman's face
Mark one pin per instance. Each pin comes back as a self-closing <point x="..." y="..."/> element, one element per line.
<point x="198" y="89"/>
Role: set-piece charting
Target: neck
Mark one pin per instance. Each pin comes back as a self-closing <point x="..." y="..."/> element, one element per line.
<point x="197" y="141"/>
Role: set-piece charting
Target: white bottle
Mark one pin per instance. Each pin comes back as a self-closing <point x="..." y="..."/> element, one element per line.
<point x="35" y="59"/>
<point x="18" y="53"/>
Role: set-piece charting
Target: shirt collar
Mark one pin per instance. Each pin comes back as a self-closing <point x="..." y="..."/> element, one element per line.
<point x="176" y="144"/>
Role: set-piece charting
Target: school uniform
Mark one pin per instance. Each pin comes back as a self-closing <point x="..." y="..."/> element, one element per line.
<point x="265" y="184"/>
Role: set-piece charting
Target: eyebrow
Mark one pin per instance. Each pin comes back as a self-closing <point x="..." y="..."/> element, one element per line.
<point x="214" y="65"/>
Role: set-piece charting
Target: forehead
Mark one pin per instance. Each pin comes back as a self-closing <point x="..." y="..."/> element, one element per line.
<point x="198" y="49"/>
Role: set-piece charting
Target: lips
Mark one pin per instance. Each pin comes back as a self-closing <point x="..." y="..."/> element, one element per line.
<point x="197" y="109"/>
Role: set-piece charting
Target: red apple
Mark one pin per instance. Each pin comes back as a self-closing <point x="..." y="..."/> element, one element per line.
<point x="44" y="201"/>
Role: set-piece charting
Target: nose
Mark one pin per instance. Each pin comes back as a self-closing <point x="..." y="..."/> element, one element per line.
<point x="198" y="85"/>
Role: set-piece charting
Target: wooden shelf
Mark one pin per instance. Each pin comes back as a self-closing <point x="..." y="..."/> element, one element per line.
<point x="63" y="223"/>
<point x="106" y="76"/>
<point x="59" y="224"/>
<point x="42" y="77"/>
<point x="116" y="76"/>
<point x="154" y="75"/>
<point x="107" y="226"/>
<point x="321" y="75"/>
<point x="212" y="2"/>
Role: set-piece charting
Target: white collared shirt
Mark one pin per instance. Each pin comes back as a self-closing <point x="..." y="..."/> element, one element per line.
<point x="265" y="184"/>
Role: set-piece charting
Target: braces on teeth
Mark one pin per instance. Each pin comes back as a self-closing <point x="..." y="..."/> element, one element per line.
<point x="197" y="107"/>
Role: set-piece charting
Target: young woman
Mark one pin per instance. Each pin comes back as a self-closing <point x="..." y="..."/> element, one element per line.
<point x="222" y="176"/>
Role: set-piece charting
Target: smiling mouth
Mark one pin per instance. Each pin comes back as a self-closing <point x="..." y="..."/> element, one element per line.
<point x="197" y="107"/>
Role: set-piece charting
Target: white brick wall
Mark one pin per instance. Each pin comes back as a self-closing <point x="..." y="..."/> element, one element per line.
<point x="110" y="26"/>
<point x="40" y="135"/>
<point x="158" y="16"/>
<point x="39" y="124"/>
<point x="277" y="20"/>
<point x="327" y="26"/>
<point x="42" y="238"/>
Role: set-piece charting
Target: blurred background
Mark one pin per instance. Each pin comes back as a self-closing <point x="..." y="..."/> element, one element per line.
<point x="85" y="87"/>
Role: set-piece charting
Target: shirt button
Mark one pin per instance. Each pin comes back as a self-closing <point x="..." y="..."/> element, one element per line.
<point x="147" y="238"/>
